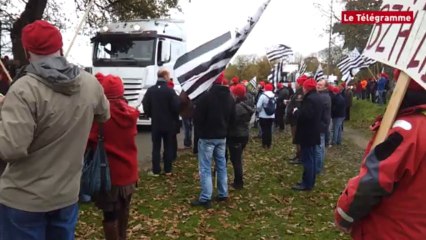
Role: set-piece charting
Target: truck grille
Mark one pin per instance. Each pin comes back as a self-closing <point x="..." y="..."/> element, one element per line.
<point x="132" y="89"/>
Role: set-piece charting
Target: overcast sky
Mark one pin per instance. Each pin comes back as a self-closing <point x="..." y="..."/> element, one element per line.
<point x="298" y="24"/>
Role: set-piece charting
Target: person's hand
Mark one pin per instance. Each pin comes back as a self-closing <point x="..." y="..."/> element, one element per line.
<point x="2" y="97"/>
<point x="294" y="110"/>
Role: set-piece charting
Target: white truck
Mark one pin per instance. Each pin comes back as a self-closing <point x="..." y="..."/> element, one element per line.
<point x="135" y="50"/>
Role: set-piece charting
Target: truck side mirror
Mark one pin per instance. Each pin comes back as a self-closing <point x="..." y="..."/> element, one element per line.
<point x="166" y="49"/>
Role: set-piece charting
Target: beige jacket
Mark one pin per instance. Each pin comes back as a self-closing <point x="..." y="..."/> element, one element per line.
<point x="45" y="122"/>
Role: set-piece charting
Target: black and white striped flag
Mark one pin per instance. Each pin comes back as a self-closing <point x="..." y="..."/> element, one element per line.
<point x="319" y="75"/>
<point x="279" y="52"/>
<point x="274" y="76"/>
<point x="253" y="82"/>
<point x="352" y="63"/>
<point x="302" y="68"/>
<point x="198" y="69"/>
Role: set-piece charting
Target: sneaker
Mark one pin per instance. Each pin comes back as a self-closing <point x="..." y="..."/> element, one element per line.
<point x="221" y="199"/>
<point x="197" y="203"/>
<point x="296" y="161"/>
<point x="168" y="174"/>
<point x="151" y="174"/>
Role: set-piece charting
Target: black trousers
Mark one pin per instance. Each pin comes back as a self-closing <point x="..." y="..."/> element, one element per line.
<point x="266" y="125"/>
<point x="167" y="138"/>
<point x="236" y="147"/>
<point x="279" y="118"/>
<point x="195" y="145"/>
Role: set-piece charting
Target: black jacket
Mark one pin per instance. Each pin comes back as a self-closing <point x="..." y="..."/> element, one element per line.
<point x="295" y="102"/>
<point x="309" y="120"/>
<point x="161" y="104"/>
<point x="243" y="113"/>
<point x="214" y="113"/>
<point x="326" y="111"/>
<point x="338" y="106"/>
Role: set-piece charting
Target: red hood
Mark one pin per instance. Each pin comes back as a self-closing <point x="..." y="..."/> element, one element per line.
<point x="122" y="113"/>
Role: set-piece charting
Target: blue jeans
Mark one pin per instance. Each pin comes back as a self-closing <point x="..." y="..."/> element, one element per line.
<point x="320" y="154"/>
<point x="22" y="225"/>
<point x="208" y="149"/>
<point x="309" y="166"/>
<point x="187" y="127"/>
<point x="337" y="130"/>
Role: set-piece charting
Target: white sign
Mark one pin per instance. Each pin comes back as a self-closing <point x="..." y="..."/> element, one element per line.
<point x="402" y="46"/>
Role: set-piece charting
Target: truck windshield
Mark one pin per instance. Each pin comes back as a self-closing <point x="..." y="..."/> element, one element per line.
<point x="122" y="50"/>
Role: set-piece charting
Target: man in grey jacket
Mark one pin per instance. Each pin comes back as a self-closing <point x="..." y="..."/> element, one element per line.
<point x="325" y="123"/>
<point x="46" y="117"/>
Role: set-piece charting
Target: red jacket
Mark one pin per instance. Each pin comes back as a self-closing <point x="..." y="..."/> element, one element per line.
<point x="120" y="144"/>
<point x="387" y="200"/>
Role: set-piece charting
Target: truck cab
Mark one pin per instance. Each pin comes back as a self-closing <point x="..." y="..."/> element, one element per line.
<point x="135" y="50"/>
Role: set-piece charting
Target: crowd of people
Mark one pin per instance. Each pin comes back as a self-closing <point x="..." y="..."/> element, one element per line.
<point x="43" y="143"/>
<point x="375" y="90"/>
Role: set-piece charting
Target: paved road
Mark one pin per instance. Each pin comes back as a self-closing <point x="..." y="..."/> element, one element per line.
<point x="144" y="143"/>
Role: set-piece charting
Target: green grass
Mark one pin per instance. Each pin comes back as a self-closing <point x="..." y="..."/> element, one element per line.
<point x="266" y="209"/>
<point x="363" y="114"/>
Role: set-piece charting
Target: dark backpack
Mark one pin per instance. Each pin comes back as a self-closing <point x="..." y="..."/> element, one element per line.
<point x="270" y="106"/>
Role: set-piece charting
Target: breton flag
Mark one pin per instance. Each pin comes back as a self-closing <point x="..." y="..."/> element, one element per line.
<point x="274" y="76"/>
<point x="253" y="82"/>
<point x="319" y="75"/>
<point x="350" y="65"/>
<point x="279" y="52"/>
<point x="198" y="69"/>
<point x="302" y="68"/>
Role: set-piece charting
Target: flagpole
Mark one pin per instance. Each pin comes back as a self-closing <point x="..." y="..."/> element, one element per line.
<point x="79" y="27"/>
<point x="5" y="71"/>
<point x="372" y="74"/>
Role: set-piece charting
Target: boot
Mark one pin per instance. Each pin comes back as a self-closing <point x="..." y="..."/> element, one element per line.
<point x="111" y="230"/>
<point x="123" y="220"/>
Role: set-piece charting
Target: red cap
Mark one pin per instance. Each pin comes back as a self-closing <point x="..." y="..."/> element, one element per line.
<point x="269" y="87"/>
<point x="280" y="86"/>
<point x="239" y="90"/>
<point x="41" y="37"/>
<point x="413" y="86"/>
<point x="335" y="90"/>
<point x="235" y="80"/>
<point x="262" y="84"/>
<point x="301" y="80"/>
<point x="385" y="75"/>
<point x="113" y="86"/>
<point x="220" y="78"/>
<point x="310" y="84"/>
<point x="170" y="84"/>
<point x="225" y="82"/>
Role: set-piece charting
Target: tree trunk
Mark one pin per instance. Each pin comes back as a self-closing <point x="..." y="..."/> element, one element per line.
<point x="33" y="11"/>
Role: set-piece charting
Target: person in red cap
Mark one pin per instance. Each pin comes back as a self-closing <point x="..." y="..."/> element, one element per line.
<point x="162" y="105"/>
<point x="238" y="134"/>
<point x="214" y="113"/>
<point x="386" y="199"/>
<point x="308" y="133"/>
<point x="46" y="118"/>
<point x="338" y="114"/>
<point x="120" y="145"/>
<point x="291" y="118"/>
<point x="235" y="81"/>
<point x="266" y="106"/>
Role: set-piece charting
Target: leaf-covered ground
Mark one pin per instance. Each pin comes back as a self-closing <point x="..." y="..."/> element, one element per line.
<point x="267" y="208"/>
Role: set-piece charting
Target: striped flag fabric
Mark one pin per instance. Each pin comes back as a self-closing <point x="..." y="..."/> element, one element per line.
<point x="274" y="76"/>
<point x="253" y="82"/>
<point x="302" y="68"/>
<point x="198" y="69"/>
<point x="279" y="52"/>
<point x="352" y="63"/>
<point x="319" y="75"/>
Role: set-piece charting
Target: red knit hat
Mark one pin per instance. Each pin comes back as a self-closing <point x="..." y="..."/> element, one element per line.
<point x="113" y="85"/>
<point x="413" y="86"/>
<point x="269" y="87"/>
<point x="301" y="80"/>
<point x="41" y="37"/>
<point x="262" y="84"/>
<point x="239" y="90"/>
<point x="335" y="90"/>
<point x="235" y="80"/>
<point x="170" y="84"/>
<point x="280" y="86"/>
<point x="310" y="84"/>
